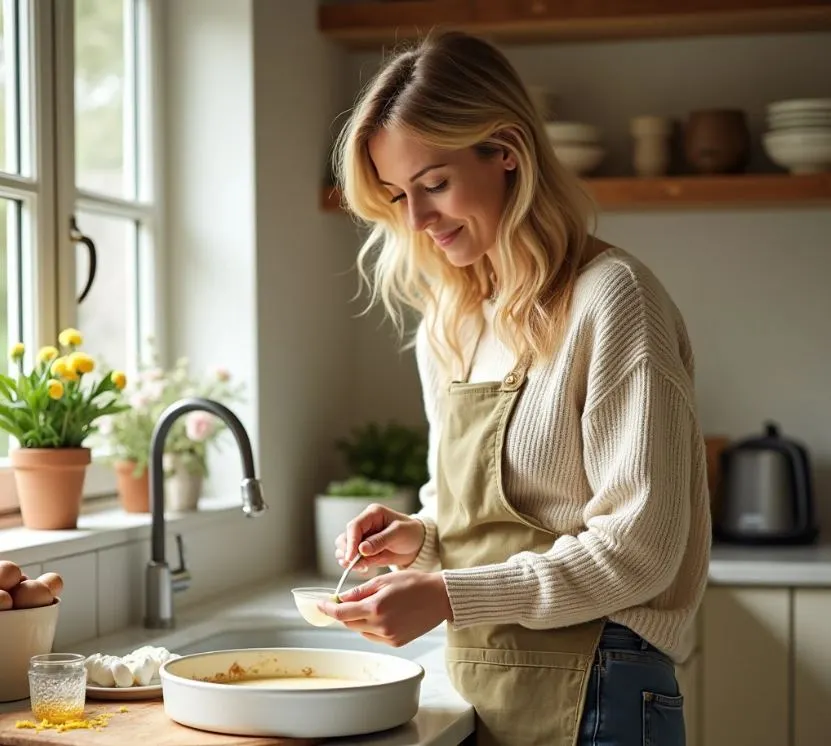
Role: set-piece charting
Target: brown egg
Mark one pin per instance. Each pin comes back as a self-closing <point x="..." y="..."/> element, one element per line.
<point x="9" y="575"/>
<point x="30" y="594"/>
<point x="53" y="582"/>
<point x="5" y="601"/>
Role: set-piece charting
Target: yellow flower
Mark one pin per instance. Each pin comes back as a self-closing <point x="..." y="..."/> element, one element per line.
<point x="119" y="379"/>
<point x="47" y="354"/>
<point x="62" y="369"/>
<point x="17" y="350"/>
<point x="70" y="337"/>
<point x="55" y="388"/>
<point x="80" y="362"/>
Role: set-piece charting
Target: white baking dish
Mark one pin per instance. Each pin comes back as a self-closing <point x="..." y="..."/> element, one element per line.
<point x="383" y="693"/>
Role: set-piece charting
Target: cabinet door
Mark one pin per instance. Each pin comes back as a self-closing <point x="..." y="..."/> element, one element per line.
<point x="745" y="655"/>
<point x="812" y="666"/>
<point x="687" y="674"/>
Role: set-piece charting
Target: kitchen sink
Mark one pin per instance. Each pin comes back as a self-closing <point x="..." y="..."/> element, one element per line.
<point x="281" y="637"/>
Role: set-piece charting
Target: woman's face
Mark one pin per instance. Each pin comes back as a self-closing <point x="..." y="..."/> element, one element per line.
<point x="455" y="196"/>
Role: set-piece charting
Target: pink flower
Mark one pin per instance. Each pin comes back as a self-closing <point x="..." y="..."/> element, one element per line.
<point x="139" y="401"/>
<point x="153" y="374"/>
<point x="199" y="426"/>
<point x="222" y="374"/>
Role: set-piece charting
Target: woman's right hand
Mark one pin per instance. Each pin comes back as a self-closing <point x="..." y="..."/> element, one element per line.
<point x="383" y="536"/>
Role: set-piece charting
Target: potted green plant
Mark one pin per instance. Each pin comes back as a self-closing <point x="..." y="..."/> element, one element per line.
<point x="51" y="410"/>
<point x="385" y="463"/>
<point x="128" y="434"/>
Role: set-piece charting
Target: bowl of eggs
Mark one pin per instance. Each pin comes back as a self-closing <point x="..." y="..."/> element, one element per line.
<point x="28" y="619"/>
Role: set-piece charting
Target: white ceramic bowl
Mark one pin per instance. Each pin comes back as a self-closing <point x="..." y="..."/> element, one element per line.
<point x="24" y="633"/>
<point x="800" y="151"/>
<point x="800" y="121"/>
<point x="800" y="105"/>
<point x="572" y="132"/>
<point x="579" y="158"/>
<point x="306" y="601"/>
<point x="383" y="692"/>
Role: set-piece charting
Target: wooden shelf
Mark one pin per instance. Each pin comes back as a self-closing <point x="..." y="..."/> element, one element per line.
<point x="370" y="24"/>
<point x="692" y="192"/>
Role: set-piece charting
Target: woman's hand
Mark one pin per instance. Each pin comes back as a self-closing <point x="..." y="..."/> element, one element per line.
<point x="383" y="536"/>
<point x="394" y="608"/>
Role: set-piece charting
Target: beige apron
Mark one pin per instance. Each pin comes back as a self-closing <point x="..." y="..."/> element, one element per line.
<point x="527" y="686"/>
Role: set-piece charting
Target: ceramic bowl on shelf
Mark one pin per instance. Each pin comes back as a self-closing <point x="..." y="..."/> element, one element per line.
<point x="580" y="158"/>
<point x="799" y="106"/>
<point x="800" y="151"/>
<point x="573" y="132"/>
<point x="24" y="633"/>
<point x="577" y="145"/>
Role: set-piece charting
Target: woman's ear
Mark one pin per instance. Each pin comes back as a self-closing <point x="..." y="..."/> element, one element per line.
<point x="505" y="137"/>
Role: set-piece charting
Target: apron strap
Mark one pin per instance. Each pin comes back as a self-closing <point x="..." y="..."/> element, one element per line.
<point x="517" y="376"/>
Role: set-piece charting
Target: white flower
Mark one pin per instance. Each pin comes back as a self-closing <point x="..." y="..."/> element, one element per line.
<point x="154" y="390"/>
<point x="199" y="426"/>
<point x="153" y="374"/>
<point x="139" y="400"/>
<point x="105" y="424"/>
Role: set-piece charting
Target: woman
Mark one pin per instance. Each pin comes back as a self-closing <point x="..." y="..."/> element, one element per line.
<point x="565" y="530"/>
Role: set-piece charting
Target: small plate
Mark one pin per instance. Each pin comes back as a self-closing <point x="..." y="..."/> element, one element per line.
<point x="126" y="693"/>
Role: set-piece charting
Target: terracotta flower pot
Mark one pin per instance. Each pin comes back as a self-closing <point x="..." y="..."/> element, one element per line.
<point x="50" y="484"/>
<point x="133" y="491"/>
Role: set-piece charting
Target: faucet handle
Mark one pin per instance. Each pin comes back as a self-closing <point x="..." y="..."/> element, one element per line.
<point x="180" y="577"/>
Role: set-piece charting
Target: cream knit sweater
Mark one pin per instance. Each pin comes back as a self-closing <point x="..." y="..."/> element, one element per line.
<point x="604" y="449"/>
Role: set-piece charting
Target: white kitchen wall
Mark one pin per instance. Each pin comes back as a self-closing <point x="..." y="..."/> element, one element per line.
<point x="210" y="250"/>
<point x="251" y="102"/>
<point x="304" y="334"/>
<point x="752" y="284"/>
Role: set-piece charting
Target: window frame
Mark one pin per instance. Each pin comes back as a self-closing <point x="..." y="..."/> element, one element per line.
<point x="54" y="198"/>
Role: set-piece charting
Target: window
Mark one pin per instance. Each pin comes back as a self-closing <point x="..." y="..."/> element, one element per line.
<point x="78" y="196"/>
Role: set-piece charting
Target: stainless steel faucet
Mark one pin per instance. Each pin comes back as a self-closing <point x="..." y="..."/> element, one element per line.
<point x="161" y="582"/>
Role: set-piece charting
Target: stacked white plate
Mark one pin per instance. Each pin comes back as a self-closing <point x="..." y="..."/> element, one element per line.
<point x="578" y="146"/>
<point x="799" y="134"/>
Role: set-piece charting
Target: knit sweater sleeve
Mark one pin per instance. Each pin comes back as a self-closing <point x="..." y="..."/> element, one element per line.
<point x="428" y="557"/>
<point x="637" y="460"/>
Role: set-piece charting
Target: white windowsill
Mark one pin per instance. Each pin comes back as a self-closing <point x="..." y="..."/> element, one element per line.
<point x="103" y="528"/>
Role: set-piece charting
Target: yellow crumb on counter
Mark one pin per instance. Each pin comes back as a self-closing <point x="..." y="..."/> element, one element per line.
<point x="123" y="709"/>
<point x="95" y="722"/>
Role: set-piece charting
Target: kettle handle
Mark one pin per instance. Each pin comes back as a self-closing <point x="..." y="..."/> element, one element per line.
<point x="801" y="480"/>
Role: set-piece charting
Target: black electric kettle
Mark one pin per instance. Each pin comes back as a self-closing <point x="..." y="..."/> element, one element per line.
<point x="766" y="494"/>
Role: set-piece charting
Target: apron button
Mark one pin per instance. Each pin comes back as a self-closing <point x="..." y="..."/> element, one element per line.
<point x="510" y="379"/>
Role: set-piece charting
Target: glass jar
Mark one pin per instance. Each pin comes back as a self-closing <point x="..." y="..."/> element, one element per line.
<point x="57" y="686"/>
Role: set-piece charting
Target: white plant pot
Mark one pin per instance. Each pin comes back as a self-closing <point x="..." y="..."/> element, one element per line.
<point x="182" y="490"/>
<point x="332" y="513"/>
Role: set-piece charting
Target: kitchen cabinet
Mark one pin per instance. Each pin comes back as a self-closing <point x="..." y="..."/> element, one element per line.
<point x="745" y="648"/>
<point x="366" y="24"/>
<point x="765" y="674"/>
<point x="812" y="666"/>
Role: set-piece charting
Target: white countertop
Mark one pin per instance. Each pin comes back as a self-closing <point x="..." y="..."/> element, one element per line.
<point x="443" y="719"/>
<point x="771" y="565"/>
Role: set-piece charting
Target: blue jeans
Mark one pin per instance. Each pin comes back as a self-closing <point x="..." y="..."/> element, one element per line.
<point x="633" y="697"/>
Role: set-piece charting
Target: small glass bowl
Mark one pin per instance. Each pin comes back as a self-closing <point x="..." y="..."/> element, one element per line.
<point x="57" y="686"/>
<point x="307" y="599"/>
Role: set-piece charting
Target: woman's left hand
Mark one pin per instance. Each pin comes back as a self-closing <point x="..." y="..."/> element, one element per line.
<point x="394" y="608"/>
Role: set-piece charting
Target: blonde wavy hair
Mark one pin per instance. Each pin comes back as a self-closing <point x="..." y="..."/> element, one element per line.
<point x="455" y="91"/>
